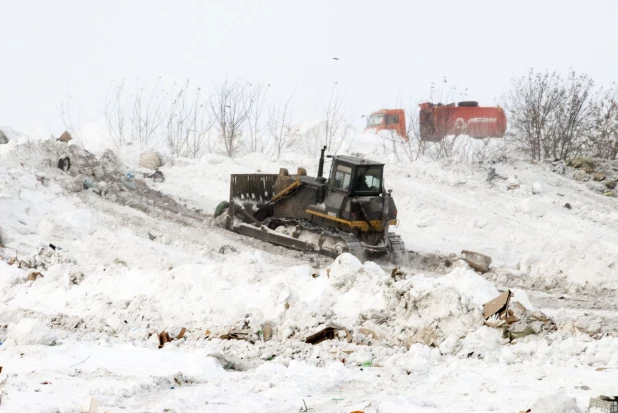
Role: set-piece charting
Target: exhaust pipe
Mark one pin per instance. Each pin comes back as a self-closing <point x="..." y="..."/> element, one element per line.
<point x="321" y="164"/>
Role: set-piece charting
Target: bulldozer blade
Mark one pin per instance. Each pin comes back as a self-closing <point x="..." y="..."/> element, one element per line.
<point x="266" y="234"/>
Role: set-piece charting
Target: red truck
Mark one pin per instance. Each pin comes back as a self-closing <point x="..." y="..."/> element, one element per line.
<point x="437" y="121"/>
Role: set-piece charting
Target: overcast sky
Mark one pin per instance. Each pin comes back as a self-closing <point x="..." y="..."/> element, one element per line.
<point x="387" y="49"/>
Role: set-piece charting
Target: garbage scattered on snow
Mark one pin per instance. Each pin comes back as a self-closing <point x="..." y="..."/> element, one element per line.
<point x="603" y="404"/>
<point x="65" y="137"/>
<point x="150" y="160"/>
<point x="329" y="333"/>
<point x="479" y="262"/>
<point x="64" y="164"/>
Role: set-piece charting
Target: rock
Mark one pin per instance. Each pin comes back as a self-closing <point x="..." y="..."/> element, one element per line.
<point x="599" y="177"/>
<point x="3" y="138"/>
<point x="610" y="184"/>
<point x="557" y="403"/>
<point x="568" y="206"/>
<point x="150" y="160"/>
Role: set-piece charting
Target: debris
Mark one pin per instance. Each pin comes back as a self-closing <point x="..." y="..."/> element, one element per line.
<point x="568" y="206"/>
<point x="586" y="164"/>
<point x="477" y="261"/>
<point x="225" y="248"/>
<point x="520" y="329"/>
<point x="246" y="335"/>
<point x="607" y="404"/>
<point x="598" y="177"/>
<point x="154" y="235"/>
<point x="610" y="184"/>
<point x="328" y="333"/>
<point x="559" y="167"/>
<point x="46" y="382"/>
<point x="608" y="193"/>
<point x="306" y="409"/>
<point x="163" y="339"/>
<point x="369" y="333"/>
<point x="75" y="277"/>
<point x="33" y="276"/>
<point x="150" y="160"/>
<point x="512" y="187"/>
<point x="267" y="331"/>
<point x="77" y="364"/>
<point x="231" y="362"/>
<point x="157" y="176"/>
<point x="88" y="183"/>
<point x="499" y="306"/>
<point x="98" y="172"/>
<point x="3" y="138"/>
<point x="65" y="137"/>
<point x="64" y="164"/>
<point x="129" y="184"/>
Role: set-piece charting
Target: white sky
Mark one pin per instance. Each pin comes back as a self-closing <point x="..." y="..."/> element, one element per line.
<point x="388" y="49"/>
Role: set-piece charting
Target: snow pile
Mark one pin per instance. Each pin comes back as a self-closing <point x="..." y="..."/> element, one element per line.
<point x="29" y="331"/>
<point x="558" y="403"/>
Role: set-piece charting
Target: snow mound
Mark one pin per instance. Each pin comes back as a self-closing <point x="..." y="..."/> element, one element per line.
<point x="558" y="403"/>
<point x="29" y="331"/>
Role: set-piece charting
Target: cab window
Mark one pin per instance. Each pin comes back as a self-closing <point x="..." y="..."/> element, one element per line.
<point x="368" y="180"/>
<point x="343" y="176"/>
<point x="392" y="119"/>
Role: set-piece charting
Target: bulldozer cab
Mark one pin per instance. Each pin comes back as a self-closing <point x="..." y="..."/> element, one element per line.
<point x="355" y="176"/>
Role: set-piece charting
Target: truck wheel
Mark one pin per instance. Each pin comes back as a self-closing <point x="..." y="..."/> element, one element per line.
<point x="221" y="208"/>
<point x="468" y="104"/>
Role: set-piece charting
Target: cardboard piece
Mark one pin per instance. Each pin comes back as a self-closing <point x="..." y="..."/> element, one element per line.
<point x="33" y="276"/>
<point x="498" y="305"/>
<point x="65" y="137"/>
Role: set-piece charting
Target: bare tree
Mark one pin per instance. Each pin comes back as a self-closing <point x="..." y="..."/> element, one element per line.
<point x="336" y="122"/>
<point x="230" y="108"/>
<point x="67" y="117"/>
<point x="279" y="126"/>
<point x="603" y="139"/>
<point x="146" y="114"/>
<point x="258" y="139"/>
<point x="531" y="104"/>
<point x="116" y="114"/>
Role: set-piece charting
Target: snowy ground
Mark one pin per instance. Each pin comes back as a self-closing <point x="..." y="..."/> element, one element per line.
<point x="111" y="289"/>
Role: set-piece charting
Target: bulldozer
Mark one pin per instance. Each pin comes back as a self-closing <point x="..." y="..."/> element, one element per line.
<point x="351" y="211"/>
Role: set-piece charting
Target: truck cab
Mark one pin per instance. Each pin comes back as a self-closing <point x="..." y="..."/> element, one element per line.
<point x="388" y="119"/>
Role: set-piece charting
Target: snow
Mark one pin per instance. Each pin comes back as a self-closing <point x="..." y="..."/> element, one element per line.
<point x="108" y="290"/>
